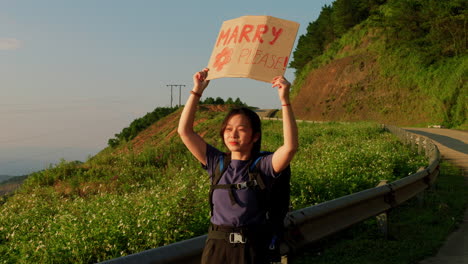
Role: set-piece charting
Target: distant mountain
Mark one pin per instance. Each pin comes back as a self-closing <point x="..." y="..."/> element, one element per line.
<point x="9" y="184"/>
<point x="5" y="177"/>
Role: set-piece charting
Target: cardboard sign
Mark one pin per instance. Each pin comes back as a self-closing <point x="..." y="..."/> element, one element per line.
<point x="256" y="47"/>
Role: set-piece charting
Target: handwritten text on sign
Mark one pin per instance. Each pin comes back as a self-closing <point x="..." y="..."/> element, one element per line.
<point x="256" y="47"/>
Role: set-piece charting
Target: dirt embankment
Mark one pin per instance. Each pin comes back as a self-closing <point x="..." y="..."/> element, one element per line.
<point x="167" y="127"/>
<point x="352" y="89"/>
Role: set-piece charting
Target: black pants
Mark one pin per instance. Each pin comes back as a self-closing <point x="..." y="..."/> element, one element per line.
<point x="221" y="251"/>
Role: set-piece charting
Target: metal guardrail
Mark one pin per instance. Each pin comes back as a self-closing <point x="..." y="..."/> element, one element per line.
<point x="313" y="223"/>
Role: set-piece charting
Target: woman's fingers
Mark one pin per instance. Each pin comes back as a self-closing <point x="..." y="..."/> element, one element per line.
<point x="280" y="82"/>
<point x="203" y="74"/>
<point x="277" y="81"/>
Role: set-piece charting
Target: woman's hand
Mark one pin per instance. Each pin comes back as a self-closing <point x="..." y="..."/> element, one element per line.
<point x="199" y="80"/>
<point x="283" y="86"/>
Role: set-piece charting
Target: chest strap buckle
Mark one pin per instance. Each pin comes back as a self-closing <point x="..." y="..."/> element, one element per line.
<point x="235" y="238"/>
<point x="244" y="185"/>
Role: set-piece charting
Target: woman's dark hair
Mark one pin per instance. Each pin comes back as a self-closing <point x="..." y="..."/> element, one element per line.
<point x="255" y="123"/>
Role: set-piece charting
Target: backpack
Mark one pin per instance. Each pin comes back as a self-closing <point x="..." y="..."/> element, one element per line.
<point x="275" y="198"/>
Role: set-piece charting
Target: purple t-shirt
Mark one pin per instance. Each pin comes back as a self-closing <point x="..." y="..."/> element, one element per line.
<point x="245" y="211"/>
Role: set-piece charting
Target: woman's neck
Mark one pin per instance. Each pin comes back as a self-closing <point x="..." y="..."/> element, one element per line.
<point x="240" y="156"/>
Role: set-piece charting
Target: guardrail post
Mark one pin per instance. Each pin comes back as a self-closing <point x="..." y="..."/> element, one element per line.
<point x="420" y="196"/>
<point x="382" y="219"/>
<point x="413" y="142"/>
<point x="426" y="148"/>
<point x="420" y="145"/>
<point x="429" y="150"/>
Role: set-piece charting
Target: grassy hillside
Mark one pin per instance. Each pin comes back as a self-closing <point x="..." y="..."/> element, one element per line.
<point x="150" y="191"/>
<point x="401" y="65"/>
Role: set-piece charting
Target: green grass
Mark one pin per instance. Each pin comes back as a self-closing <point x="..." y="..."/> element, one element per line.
<point x="443" y="84"/>
<point x="120" y="202"/>
<point x="416" y="229"/>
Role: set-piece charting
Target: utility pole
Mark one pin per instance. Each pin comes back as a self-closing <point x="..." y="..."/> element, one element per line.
<point x="180" y="90"/>
<point x="169" y="85"/>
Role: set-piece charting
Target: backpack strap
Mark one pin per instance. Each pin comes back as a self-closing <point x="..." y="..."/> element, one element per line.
<point x="221" y="167"/>
<point x="234" y="186"/>
<point x="254" y="171"/>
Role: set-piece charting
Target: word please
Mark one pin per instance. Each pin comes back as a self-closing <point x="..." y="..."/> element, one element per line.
<point x="268" y="60"/>
<point x="246" y="33"/>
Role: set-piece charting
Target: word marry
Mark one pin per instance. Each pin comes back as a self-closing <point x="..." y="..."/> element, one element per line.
<point x="246" y="33"/>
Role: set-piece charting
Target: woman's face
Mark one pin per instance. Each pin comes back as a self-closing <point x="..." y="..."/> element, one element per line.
<point x="238" y="134"/>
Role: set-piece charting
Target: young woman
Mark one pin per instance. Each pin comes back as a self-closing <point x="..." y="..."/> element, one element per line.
<point x="235" y="234"/>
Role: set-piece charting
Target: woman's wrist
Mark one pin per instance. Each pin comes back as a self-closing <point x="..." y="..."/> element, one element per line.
<point x="197" y="94"/>
<point x="197" y="89"/>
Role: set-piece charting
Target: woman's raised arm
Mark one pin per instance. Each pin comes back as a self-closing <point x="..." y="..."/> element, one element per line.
<point x="284" y="154"/>
<point x="194" y="142"/>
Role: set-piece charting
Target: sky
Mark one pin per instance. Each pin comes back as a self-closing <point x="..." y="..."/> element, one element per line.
<point x="75" y="73"/>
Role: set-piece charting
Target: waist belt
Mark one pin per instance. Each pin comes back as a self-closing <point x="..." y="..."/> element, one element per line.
<point x="233" y="235"/>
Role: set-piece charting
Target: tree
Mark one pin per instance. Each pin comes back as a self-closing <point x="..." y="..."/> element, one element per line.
<point x="219" y="101"/>
<point x="239" y="102"/>
<point x="331" y="24"/>
<point x="209" y="100"/>
<point x="433" y="29"/>
<point x="311" y="45"/>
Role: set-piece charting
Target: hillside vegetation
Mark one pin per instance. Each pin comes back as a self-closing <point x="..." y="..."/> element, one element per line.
<point x="403" y="62"/>
<point x="150" y="191"/>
